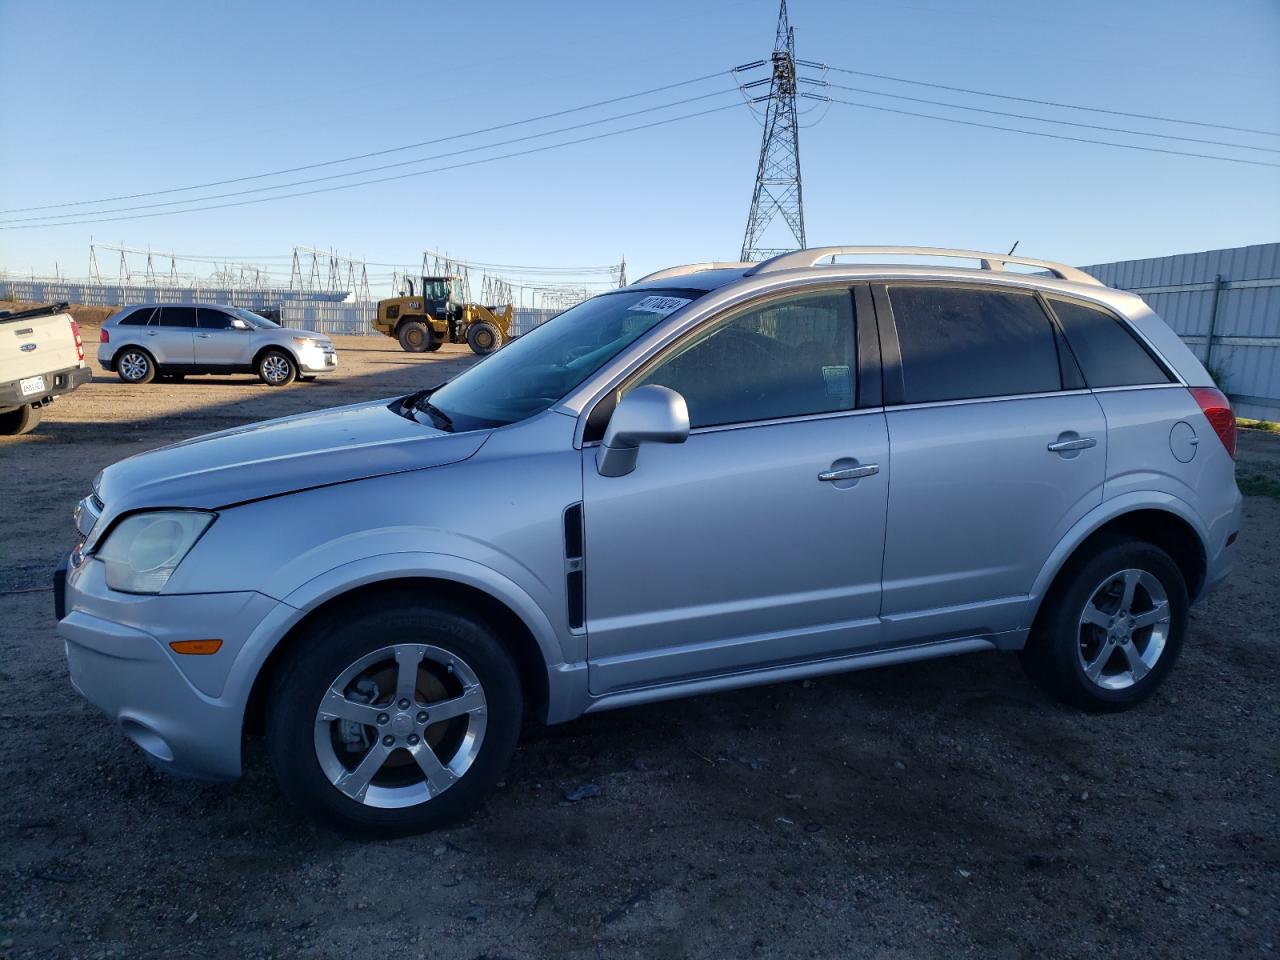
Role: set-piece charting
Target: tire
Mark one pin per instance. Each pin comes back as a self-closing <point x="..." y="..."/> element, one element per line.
<point x="135" y="365"/>
<point x="483" y="337"/>
<point x="414" y="336"/>
<point x="1084" y="617"/>
<point x="22" y="420"/>
<point x="433" y="345"/>
<point x="312" y="752"/>
<point x="276" y="368"/>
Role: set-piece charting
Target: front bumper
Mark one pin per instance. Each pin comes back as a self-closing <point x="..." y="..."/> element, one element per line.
<point x="318" y="360"/>
<point x="170" y="705"/>
<point x="57" y="382"/>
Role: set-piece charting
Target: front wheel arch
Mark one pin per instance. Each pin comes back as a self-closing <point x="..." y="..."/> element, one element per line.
<point x="515" y="635"/>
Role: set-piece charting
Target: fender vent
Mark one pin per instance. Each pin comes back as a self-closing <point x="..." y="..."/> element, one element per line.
<point x="573" y="565"/>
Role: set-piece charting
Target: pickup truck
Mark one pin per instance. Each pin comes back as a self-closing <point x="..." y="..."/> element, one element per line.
<point x="41" y="356"/>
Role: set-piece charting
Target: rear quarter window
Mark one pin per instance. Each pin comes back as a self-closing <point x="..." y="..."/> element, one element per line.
<point x="1108" y="352"/>
<point x="137" y="318"/>
<point x="961" y="343"/>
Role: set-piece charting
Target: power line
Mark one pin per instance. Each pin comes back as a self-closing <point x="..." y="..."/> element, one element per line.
<point x="399" y="176"/>
<point x="374" y="153"/>
<point x="1053" y="103"/>
<point x="1067" y="123"/>
<point x="375" y="169"/>
<point x="1040" y="133"/>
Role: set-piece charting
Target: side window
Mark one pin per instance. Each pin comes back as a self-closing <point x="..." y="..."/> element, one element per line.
<point x="960" y="343"/>
<point x="786" y="358"/>
<point x="139" y="317"/>
<point x="177" y="316"/>
<point x="1109" y="354"/>
<point x="214" y="319"/>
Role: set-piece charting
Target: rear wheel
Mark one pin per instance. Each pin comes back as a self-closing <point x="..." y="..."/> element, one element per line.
<point x="135" y="365"/>
<point x="1112" y="628"/>
<point x="483" y="337"/>
<point x="394" y="720"/>
<point x="414" y="336"/>
<point x="22" y="420"/>
<point x="276" y="368"/>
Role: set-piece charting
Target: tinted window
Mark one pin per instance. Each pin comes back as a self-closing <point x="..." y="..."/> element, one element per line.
<point x="214" y="319"/>
<point x="787" y="358"/>
<point x="1109" y="354"/>
<point x="960" y="343"/>
<point x="138" y="318"/>
<point x="177" y="316"/>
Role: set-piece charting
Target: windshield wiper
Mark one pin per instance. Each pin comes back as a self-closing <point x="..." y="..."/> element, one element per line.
<point x="438" y="416"/>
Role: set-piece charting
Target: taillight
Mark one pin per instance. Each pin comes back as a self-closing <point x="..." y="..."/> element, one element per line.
<point x="103" y="337"/>
<point x="75" y="332"/>
<point x="1217" y="410"/>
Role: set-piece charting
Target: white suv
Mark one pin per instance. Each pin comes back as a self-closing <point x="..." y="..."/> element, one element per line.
<point x="174" y="339"/>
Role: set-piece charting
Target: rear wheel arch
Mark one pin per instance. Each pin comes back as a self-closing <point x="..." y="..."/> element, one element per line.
<point x="515" y="635"/>
<point x="1163" y="528"/>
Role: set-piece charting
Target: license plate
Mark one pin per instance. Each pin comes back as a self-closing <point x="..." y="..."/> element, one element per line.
<point x="31" y="385"/>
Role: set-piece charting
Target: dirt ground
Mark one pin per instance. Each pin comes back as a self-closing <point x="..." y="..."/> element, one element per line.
<point x="936" y="810"/>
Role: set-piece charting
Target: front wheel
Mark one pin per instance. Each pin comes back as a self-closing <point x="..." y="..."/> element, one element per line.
<point x="22" y="420"/>
<point x="394" y="719"/>
<point x="483" y="337"/>
<point x="276" y="368"/>
<point x="1111" y="629"/>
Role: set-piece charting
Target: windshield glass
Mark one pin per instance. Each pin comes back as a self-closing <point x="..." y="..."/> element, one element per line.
<point x="253" y="319"/>
<point x="435" y="289"/>
<point x="534" y="371"/>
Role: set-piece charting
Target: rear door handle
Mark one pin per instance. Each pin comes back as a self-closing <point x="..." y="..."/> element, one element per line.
<point x="1079" y="443"/>
<point x="203" y="336"/>
<point x="850" y="473"/>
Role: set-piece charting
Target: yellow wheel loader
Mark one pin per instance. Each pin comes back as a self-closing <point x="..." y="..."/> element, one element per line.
<point x="434" y="314"/>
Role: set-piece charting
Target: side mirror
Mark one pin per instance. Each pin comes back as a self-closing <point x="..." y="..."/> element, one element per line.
<point x="648" y="414"/>
<point x="238" y="324"/>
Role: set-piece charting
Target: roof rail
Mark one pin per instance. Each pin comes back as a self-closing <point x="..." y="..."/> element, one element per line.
<point x="800" y="259"/>
<point x="687" y="269"/>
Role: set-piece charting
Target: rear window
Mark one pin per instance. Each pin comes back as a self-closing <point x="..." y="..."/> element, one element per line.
<point x="962" y="344"/>
<point x="1109" y="354"/>
<point x="138" y="318"/>
<point x="177" y="316"/>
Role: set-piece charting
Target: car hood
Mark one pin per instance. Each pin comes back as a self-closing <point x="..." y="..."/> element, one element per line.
<point x="281" y="456"/>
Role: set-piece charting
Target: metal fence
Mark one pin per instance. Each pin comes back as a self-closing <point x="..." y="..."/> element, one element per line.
<point x="1225" y="305"/>
<point x="114" y="294"/>
<point x="356" y="319"/>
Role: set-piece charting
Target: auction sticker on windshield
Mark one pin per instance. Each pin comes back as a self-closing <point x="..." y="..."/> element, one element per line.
<point x="660" y="305"/>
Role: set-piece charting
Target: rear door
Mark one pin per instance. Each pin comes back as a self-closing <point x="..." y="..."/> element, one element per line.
<point x="997" y="449"/>
<point x="171" y="335"/>
<point x="218" y="343"/>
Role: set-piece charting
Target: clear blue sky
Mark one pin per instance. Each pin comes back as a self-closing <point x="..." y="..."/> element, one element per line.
<point x="102" y="99"/>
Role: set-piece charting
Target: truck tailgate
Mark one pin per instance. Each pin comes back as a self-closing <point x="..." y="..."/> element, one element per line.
<point x="36" y="345"/>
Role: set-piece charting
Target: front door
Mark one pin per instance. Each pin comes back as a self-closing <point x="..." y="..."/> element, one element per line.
<point x="997" y="451"/>
<point x="218" y="344"/>
<point x="758" y="541"/>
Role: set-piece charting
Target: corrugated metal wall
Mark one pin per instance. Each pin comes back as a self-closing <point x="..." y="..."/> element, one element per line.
<point x="356" y="319"/>
<point x="1232" y="295"/>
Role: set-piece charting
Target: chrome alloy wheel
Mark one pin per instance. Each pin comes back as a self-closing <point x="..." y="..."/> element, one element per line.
<point x="1123" y="629"/>
<point x="275" y="369"/>
<point x="400" y="725"/>
<point x="134" y="365"/>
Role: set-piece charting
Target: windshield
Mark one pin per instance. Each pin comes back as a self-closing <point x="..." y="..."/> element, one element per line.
<point x="435" y="289"/>
<point x="536" y="370"/>
<point x="253" y="319"/>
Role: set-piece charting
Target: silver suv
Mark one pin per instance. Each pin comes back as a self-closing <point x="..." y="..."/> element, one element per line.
<point x="721" y="475"/>
<point x="172" y="340"/>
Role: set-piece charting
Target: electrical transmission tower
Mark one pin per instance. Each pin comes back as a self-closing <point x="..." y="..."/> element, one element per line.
<point x="777" y="190"/>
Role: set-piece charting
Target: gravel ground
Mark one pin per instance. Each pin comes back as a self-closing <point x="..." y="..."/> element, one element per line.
<point x="936" y="810"/>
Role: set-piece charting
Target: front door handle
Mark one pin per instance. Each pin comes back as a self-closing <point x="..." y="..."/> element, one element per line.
<point x="203" y="336"/>
<point x="1078" y="443"/>
<point x="850" y="473"/>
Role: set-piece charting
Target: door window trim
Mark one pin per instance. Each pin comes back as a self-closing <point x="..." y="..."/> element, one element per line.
<point x="593" y="415"/>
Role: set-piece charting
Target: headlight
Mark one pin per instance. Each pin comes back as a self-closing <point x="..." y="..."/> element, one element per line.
<point x="305" y="342"/>
<point x="143" y="550"/>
